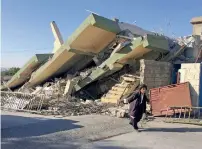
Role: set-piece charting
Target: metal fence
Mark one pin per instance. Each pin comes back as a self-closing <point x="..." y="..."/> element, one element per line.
<point x="22" y="101"/>
<point x="185" y="115"/>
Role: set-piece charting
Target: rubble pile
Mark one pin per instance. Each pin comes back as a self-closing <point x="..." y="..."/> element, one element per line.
<point x="76" y="108"/>
<point x="100" y="60"/>
<point x="120" y="112"/>
<point x="51" y="89"/>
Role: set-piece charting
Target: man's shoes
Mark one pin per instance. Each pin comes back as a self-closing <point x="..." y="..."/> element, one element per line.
<point x="130" y="123"/>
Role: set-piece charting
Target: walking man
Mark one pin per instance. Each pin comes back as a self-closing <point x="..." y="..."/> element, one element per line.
<point x="137" y="107"/>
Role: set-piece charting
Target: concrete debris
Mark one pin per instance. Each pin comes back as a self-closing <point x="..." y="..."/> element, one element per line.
<point x="116" y="112"/>
<point x="77" y="108"/>
<point x="68" y="88"/>
<point x="99" y="65"/>
<point x="38" y="90"/>
<point x="52" y="89"/>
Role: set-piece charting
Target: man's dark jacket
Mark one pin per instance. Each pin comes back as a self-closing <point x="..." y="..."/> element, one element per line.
<point x="137" y="108"/>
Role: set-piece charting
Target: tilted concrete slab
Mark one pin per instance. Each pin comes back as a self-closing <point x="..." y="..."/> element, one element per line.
<point x="148" y="43"/>
<point x="50" y="67"/>
<point x="25" y="72"/>
<point x="93" y="35"/>
<point x="134" y="50"/>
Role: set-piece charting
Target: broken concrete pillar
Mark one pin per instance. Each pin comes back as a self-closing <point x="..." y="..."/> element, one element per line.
<point x="197" y="26"/>
<point x="58" y="37"/>
<point x="68" y="88"/>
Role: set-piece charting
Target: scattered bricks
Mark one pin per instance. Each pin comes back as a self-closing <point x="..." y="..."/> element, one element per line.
<point x="113" y="111"/>
<point x="126" y="107"/>
<point x="121" y="114"/>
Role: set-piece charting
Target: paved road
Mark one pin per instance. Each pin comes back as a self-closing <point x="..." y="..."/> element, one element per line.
<point x="180" y="137"/>
<point x="28" y="131"/>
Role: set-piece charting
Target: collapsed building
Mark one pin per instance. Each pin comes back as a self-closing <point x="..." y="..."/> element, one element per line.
<point x="106" y="59"/>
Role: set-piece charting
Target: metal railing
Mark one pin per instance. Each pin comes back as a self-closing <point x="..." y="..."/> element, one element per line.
<point x="22" y="101"/>
<point x="185" y="115"/>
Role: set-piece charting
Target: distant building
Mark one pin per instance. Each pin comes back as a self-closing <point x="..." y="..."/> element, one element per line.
<point x="197" y="26"/>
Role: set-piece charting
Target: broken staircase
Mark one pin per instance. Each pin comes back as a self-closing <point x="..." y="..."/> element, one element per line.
<point x="121" y="90"/>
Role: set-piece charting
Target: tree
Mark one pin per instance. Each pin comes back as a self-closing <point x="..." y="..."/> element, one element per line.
<point x="10" y="72"/>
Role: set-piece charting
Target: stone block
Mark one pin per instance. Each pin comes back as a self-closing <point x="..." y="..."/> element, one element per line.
<point x="121" y="113"/>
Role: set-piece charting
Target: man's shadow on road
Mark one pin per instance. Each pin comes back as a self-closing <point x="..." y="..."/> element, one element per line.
<point x="182" y="129"/>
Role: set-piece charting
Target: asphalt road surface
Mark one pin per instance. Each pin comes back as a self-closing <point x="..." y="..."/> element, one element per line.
<point x="29" y="131"/>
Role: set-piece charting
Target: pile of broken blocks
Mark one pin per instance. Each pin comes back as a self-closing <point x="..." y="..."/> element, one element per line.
<point x="76" y="108"/>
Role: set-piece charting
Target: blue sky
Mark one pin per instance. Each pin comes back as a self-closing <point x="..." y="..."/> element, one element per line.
<point x="25" y="26"/>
